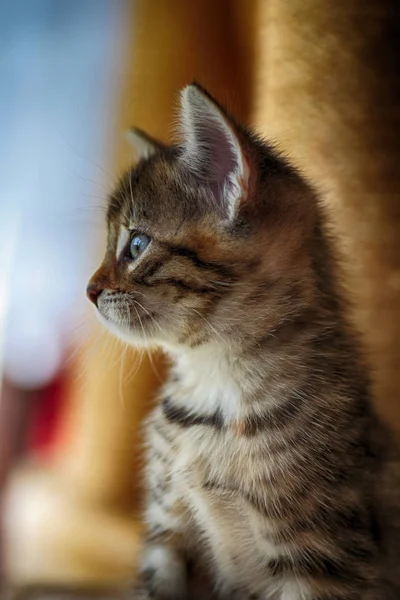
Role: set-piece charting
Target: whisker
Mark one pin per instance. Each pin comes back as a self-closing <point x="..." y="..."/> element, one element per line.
<point x="110" y="178"/>
<point x="139" y="353"/>
<point x="95" y="183"/>
<point x="149" y="314"/>
<point x="209" y="324"/>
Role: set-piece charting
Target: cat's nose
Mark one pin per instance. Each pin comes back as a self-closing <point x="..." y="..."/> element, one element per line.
<point x="93" y="292"/>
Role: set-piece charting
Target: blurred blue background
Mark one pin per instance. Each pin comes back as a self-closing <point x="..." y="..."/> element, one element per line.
<point x="60" y="67"/>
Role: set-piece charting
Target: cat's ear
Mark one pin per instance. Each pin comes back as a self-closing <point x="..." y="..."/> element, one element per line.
<point x="143" y="144"/>
<point x="212" y="149"/>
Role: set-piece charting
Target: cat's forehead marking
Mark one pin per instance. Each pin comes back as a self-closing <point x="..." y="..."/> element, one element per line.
<point x="122" y="240"/>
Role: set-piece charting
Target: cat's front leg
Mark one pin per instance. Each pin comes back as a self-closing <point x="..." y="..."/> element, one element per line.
<point x="164" y="572"/>
<point x="164" y="563"/>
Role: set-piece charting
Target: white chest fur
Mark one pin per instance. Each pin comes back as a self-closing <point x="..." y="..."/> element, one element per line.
<point x="207" y="382"/>
<point x="235" y="531"/>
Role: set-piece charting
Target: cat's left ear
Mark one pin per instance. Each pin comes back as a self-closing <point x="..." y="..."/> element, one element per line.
<point x="212" y="149"/>
<point x="143" y="144"/>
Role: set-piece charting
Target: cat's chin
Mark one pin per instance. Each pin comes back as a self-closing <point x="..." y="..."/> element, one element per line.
<point x="134" y="338"/>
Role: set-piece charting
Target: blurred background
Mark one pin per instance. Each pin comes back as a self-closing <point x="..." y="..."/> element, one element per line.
<point x="319" y="78"/>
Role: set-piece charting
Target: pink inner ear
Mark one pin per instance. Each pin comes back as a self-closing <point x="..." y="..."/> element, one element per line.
<point x="223" y="164"/>
<point x="212" y="150"/>
<point x="220" y="153"/>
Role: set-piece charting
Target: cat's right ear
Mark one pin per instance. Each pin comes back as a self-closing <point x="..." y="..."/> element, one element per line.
<point x="143" y="144"/>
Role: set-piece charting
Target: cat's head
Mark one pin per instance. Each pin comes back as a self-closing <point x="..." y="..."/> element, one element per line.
<point x="207" y="240"/>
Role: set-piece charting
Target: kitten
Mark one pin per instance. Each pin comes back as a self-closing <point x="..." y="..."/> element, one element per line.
<point x="268" y="469"/>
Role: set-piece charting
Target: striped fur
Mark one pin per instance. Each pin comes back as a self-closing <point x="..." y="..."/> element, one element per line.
<point x="269" y="475"/>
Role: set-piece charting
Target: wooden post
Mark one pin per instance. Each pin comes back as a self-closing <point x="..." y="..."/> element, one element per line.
<point x="327" y="87"/>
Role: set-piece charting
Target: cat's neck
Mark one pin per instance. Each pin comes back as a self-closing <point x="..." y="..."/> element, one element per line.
<point x="237" y="381"/>
<point x="214" y="378"/>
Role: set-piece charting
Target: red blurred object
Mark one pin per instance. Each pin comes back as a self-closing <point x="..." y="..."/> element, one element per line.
<point x="46" y="416"/>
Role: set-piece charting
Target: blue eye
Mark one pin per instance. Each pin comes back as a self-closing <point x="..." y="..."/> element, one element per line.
<point x="139" y="243"/>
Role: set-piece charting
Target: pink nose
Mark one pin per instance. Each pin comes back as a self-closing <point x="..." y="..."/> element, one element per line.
<point x="93" y="292"/>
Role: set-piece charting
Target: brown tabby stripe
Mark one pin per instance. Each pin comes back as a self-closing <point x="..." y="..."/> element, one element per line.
<point x="187" y="286"/>
<point x="159" y="456"/>
<point x="152" y="269"/>
<point x="158" y="533"/>
<point x="255" y="501"/>
<point x="157" y="494"/>
<point x="330" y="520"/>
<point x="222" y="271"/>
<point x="183" y="417"/>
<point x="274" y="418"/>
<point x="317" y="566"/>
<point x="200" y="340"/>
<point x="163" y="432"/>
<point x="321" y="519"/>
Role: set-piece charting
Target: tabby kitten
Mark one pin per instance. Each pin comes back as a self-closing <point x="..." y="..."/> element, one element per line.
<point x="268" y="470"/>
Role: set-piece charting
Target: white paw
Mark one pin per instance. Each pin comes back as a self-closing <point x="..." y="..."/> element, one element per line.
<point x="164" y="573"/>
